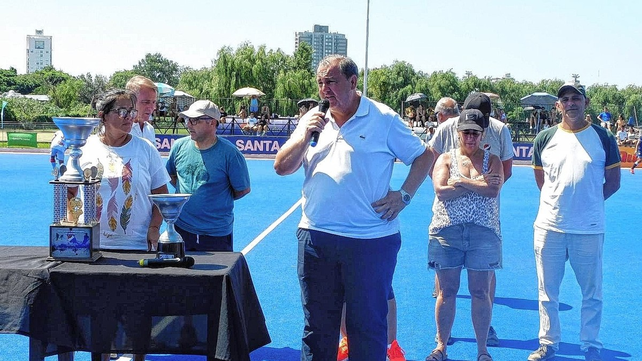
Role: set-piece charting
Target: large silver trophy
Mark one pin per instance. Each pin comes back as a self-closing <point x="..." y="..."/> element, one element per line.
<point x="72" y="237"/>
<point x="76" y="132"/>
<point x="170" y="243"/>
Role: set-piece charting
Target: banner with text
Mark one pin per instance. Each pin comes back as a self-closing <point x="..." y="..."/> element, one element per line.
<point x="248" y="144"/>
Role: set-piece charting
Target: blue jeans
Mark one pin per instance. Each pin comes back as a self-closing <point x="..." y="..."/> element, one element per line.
<point x="334" y="268"/>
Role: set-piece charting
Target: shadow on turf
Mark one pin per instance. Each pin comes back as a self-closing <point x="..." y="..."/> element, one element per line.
<point x="520" y="303"/>
<point x="262" y="354"/>
<point x="566" y="349"/>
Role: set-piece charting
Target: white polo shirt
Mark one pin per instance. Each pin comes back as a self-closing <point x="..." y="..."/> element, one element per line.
<point x="351" y="167"/>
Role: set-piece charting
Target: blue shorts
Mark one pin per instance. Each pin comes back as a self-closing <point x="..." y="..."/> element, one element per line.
<point x="466" y="245"/>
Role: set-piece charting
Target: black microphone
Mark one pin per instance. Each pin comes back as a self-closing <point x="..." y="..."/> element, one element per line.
<point x="186" y="262"/>
<point x="324" y="105"/>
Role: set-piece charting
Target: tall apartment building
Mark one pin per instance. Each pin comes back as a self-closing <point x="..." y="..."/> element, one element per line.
<point x="323" y="43"/>
<point x="38" y="51"/>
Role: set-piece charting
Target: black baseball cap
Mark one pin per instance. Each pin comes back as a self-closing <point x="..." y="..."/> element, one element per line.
<point x="471" y="119"/>
<point x="481" y="102"/>
<point x="577" y="88"/>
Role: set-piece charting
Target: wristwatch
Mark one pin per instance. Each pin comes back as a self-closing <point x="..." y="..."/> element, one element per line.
<point x="405" y="196"/>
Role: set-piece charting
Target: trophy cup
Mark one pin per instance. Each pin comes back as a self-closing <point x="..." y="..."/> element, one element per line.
<point x="76" y="131"/>
<point x="170" y="243"/>
<point x="74" y="234"/>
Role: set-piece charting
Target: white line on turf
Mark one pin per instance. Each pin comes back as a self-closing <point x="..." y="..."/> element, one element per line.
<point x="260" y="237"/>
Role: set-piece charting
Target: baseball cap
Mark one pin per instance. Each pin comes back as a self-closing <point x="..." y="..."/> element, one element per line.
<point x="200" y="108"/>
<point x="481" y="102"/>
<point x="471" y="119"/>
<point x="578" y="89"/>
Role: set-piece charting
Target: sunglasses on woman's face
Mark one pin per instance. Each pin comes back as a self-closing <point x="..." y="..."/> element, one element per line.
<point x="124" y="112"/>
<point x="472" y="133"/>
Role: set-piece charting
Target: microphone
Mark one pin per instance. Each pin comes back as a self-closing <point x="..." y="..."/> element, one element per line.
<point x="186" y="262"/>
<point x="324" y="105"/>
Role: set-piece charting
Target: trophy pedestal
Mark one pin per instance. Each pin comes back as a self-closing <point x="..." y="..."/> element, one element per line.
<point x="77" y="239"/>
<point x="78" y="243"/>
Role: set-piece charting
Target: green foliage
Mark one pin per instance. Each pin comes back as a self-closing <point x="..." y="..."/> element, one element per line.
<point x="198" y="83"/>
<point x="8" y="79"/>
<point x="120" y="78"/>
<point x="92" y="87"/>
<point x="284" y="79"/>
<point x="29" y="111"/>
<point x="159" y="69"/>
<point x="65" y="95"/>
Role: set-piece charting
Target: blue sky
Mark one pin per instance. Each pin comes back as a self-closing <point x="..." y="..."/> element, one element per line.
<point x="531" y="40"/>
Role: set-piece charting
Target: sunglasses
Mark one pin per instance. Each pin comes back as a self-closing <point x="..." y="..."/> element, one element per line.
<point x="472" y="133"/>
<point x="194" y="121"/>
<point x="124" y="112"/>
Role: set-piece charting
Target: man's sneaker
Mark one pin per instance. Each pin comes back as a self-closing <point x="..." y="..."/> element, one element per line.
<point x="343" y="349"/>
<point x="592" y="354"/>
<point x="395" y="353"/>
<point x="492" y="340"/>
<point x="542" y="353"/>
<point x="632" y="170"/>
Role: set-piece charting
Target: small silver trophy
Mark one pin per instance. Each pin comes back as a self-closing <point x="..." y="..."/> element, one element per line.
<point x="170" y="243"/>
<point x="72" y="237"/>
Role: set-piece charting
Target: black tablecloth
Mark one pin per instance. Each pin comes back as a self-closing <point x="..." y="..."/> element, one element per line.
<point x="114" y="304"/>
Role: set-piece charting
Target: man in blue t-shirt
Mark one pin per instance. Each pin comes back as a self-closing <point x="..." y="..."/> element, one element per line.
<point x="605" y="118"/>
<point x="214" y="172"/>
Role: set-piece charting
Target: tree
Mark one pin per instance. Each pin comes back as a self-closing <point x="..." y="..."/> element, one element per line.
<point x="120" y="78"/>
<point x="198" y="83"/>
<point x="159" y="69"/>
<point x="65" y="95"/>
<point x="92" y="87"/>
<point x="8" y="79"/>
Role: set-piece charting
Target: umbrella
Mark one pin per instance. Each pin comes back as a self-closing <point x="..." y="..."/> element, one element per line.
<point x="164" y="90"/>
<point x="307" y="102"/>
<point x="416" y="97"/>
<point x="544" y="100"/>
<point x="247" y="92"/>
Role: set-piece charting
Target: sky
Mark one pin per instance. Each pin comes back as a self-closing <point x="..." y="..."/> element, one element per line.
<point x="531" y="40"/>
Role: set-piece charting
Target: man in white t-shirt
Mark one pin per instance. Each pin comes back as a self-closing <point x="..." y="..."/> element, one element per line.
<point x="146" y="93"/>
<point x="577" y="167"/>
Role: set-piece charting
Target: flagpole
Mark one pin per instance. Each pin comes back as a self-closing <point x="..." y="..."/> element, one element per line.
<point x="365" y="70"/>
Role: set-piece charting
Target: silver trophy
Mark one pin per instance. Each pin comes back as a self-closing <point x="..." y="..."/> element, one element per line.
<point x="170" y="243"/>
<point x="76" y="131"/>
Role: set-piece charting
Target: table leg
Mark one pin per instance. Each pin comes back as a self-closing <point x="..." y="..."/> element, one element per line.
<point x="37" y="350"/>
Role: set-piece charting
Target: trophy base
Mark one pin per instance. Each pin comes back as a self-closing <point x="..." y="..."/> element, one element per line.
<point x="76" y="243"/>
<point x="171" y="250"/>
<point x="94" y="257"/>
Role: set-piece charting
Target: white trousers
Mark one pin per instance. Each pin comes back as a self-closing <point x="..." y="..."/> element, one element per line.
<point x="584" y="251"/>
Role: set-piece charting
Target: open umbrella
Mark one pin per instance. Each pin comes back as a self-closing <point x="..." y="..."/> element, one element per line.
<point x="308" y="102"/>
<point x="416" y="97"/>
<point x="540" y="99"/>
<point x="164" y="90"/>
<point x="247" y="92"/>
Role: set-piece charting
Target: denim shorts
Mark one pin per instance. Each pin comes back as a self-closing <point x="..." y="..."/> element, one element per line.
<point x="466" y="245"/>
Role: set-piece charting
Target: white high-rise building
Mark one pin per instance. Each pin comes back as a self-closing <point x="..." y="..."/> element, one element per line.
<point x="323" y="43"/>
<point x="38" y="51"/>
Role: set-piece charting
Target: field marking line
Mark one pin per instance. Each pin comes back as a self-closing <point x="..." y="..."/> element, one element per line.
<point x="272" y="226"/>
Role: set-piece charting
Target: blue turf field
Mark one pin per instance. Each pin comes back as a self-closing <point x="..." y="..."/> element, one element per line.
<point x="25" y="208"/>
